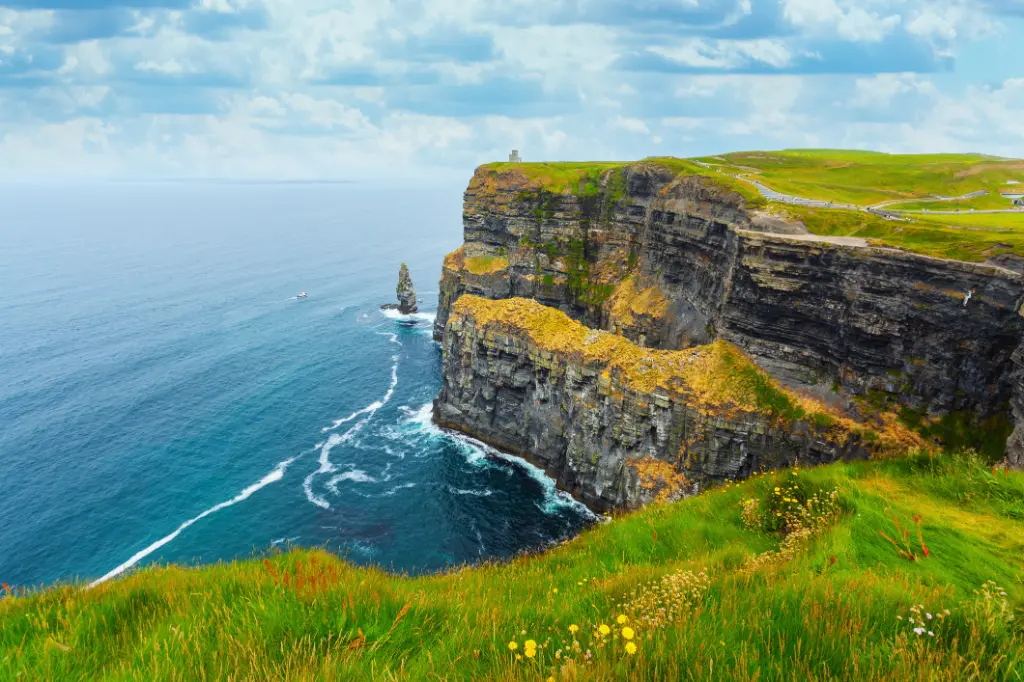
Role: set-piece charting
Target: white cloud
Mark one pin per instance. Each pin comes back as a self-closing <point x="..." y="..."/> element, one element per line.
<point x="849" y="21"/>
<point x="633" y="125"/>
<point x="170" y="66"/>
<point x="878" y="92"/>
<point x="726" y="54"/>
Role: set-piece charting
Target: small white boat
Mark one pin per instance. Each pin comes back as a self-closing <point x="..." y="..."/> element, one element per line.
<point x="301" y="294"/>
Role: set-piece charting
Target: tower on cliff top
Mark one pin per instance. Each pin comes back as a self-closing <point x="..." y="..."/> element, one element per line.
<point x="514" y="156"/>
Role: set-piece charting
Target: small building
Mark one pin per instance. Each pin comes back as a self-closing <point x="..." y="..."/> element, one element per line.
<point x="1016" y="197"/>
<point x="514" y="157"/>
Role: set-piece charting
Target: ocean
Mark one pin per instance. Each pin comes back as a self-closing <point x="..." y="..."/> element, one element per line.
<point x="166" y="397"/>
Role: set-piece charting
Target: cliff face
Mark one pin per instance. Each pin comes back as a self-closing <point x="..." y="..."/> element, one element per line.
<point x="673" y="260"/>
<point x="618" y="425"/>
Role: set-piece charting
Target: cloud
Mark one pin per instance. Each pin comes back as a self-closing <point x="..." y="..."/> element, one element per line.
<point x="633" y="125"/>
<point x="849" y="21"/>
<point x="306" y="88"/>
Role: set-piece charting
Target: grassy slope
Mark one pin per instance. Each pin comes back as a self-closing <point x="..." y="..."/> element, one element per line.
<point x="830" y="612"/>
<point x="964" y="237"/>
<point x="870" y="177"/>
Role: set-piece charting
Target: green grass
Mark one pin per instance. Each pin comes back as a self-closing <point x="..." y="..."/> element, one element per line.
<point x="829" y="612"/>
<point x="864" y="178"/>
<point x="584" y="178"/>
<point x="966" y="237"/>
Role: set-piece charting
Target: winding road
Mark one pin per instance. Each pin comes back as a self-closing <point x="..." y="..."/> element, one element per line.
<point x="772" y="195"/>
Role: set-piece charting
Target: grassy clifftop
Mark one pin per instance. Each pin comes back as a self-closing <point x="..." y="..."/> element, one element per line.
<point x="590" y="178"/>
<point x="795" y="575"/>
<point x="861" y="177"/>
<point x="903" y="182"/>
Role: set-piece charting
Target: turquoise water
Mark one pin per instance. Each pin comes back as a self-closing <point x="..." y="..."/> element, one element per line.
<point x="164" y="397"/>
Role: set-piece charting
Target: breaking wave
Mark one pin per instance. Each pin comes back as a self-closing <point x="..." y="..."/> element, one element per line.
<point x="276" y="475"/>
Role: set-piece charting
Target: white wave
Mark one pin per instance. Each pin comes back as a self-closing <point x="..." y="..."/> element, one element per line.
<point x="282" y="541"/>
<point x="393" y="336"/>
<point x="393" y="314"/>
<point x="400" y="487"/>
<point x="475" y="493"/>
<point x="276" y="475"/>
<point x="476" y="453"/>
<point x="553" y="497"/>
<point x="356" y="476"/>
<point x="334" y="440"/>
<point x="423" y="421"/>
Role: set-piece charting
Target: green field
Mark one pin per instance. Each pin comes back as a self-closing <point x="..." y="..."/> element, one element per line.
<point x="814" y="579"/>
<point x="973" y="238"/>
<point x="865" y="178"/>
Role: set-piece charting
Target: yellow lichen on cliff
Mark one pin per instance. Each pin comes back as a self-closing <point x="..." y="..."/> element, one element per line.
<point x="458" y="261"/>
<point x="455" y="260"/>
<point x="486" y="265"/>
<point x="628" y="302"/>
<point x="657" y="474"/>
<point x="717" y="379"/>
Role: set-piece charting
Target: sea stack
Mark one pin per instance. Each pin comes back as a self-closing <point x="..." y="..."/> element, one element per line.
<point x="406" y="292"/>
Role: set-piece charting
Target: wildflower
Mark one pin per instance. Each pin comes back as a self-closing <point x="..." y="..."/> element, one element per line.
<point x="530" y="653"/>
<point x="621" y="620"/>
<point x="551" y="679"/>
<point x="512" y="646"/>
<point x="627" y="633"/>
<point x="555" y="590"/>
<point x="574" y="628"/>
<point x="630" y="648"/>
<point x="604" y="630"/>
<point x="518" y="657"/>
<point x="918" y="631"/>
<point x="931" y="634"/>
<point x="928" y="616"/>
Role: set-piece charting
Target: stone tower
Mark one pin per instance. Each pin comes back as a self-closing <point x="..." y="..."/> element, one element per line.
<point x="514" y="156"/>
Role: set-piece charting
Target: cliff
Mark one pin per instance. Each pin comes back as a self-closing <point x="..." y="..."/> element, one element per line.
<point x="671" y="258"/>
<point x="618" y="425"/>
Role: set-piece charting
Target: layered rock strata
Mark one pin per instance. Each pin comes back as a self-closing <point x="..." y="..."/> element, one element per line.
<point x="618" y="425"/>
<point x="671" y="260"/>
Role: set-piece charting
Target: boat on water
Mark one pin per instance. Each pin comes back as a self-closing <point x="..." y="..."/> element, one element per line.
<point x="301" y="294"/>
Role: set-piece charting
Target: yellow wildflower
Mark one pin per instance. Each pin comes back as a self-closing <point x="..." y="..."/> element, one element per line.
<point x="530" y="644"/>
<point x="604" y="629"/>
<point x="630" y="648"/>
<point x="555" y="590"/>
<point x="574" y="628"/>
<point x="627" y="633"/>
<point x="551" y="679"/>
<point x="530" y="653"/>
<point x="512" y="646"/>
<point x="621" y="620"/>
<point x="518" y="657"/>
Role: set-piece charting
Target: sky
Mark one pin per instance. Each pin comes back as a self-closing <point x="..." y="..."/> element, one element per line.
<point x="350" y="89"/>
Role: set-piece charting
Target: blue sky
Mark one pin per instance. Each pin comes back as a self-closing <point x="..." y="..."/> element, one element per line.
<point x="353" y="88"/>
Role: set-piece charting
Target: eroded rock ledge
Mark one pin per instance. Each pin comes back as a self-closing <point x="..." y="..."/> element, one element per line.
<point x="618" y="425"/>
